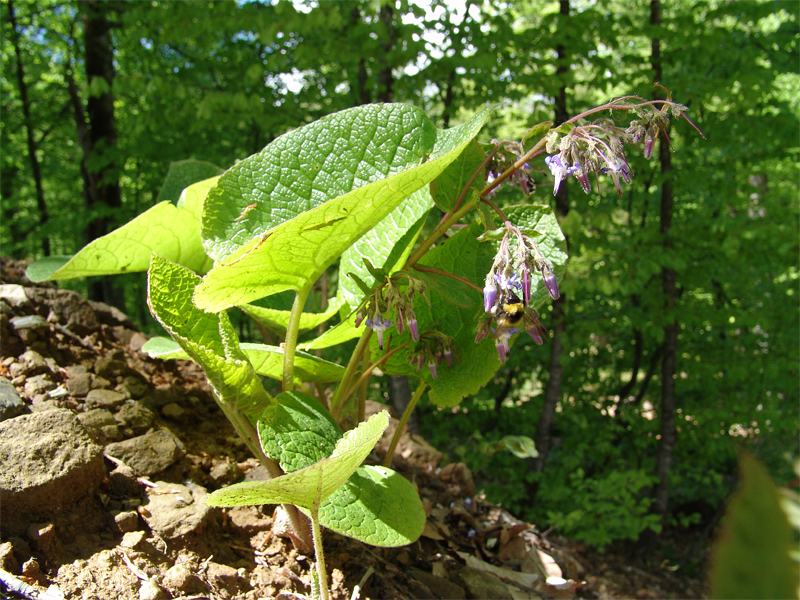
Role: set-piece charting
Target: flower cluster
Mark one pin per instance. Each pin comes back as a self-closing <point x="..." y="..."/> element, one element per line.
<point x="433" y="347"/>
<point x="508" y="153"/>
<point x="599" y="147"/>
<point x="389" y="296"/>
<point x="507" y="280"/>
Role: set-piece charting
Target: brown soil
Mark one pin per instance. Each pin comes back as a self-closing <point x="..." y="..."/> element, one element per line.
<point x="89" y="551"/>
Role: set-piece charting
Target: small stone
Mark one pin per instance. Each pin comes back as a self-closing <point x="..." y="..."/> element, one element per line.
<point x="123" y="482"/>
<point x="38" y="384"/>
<point x="132" y="387"/>
<point x="173" y="411"/>
<point x="79" y="384"/>
<point x="173" y="510"/>
<point x="44" y="539"/>
<point x="133" y="539"/>
<point x="101" y="425"/>
<point x="110" y="368"/>
<point x="8" y="562"/>
<point x="101" y="383"/>
<point x="14" y="295"/>
<point x="33" y="362"/>
<point x="127" y="521"/>
<point x="104" y="399"/>
<point x="225" y="473"/>
<point x="223" y="577"/>
<point x="179" y="578"/>
<point x="29" y="322"/>
<point x="75" y="370"/>
<point x="149" y="453"/>
<point x="135" y="415"/>
<point x="11" y="405"/>
<point x="31" y="569"/>
<point x="41" y="403"/>
<point x="150" y="590"/>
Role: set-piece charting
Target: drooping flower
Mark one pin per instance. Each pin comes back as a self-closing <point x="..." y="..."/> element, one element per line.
<point x="489" y="294"/>
<point x="432" y="368"/>
<point x="379" y="326"/>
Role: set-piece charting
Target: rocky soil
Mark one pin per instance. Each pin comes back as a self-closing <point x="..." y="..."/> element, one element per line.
<point x="106" y="457"/>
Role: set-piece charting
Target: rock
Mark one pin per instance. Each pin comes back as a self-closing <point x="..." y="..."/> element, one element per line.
<point x="223" y="577"/>
<point x="75" y="370"/>
<point x="8" y="562"/>
<point x="30" y="322"/>
<point x="123" y="482"/>
<point x="149" y="453"/>
<point x="33" y="362"/>
<point x="135" y="415"/>
<point x="173" y="510"/>
<point x="173" y="411"/>
<point x="480" y="584"/>
<point x="79" y="384"/>
<point x="70" y="308"/>
<point x="150" y="590"/>
<point x="44" y="540"/>
<point x="101" y="425"/>
<point x="38" y="384"/>
<point x="100" y="383"/>
<point x="225" y="473"/>
<point x="11" y="405"/>
<point x="127" y="521"/>
<point x="459" y="474"/>
<point x="109" y="369"/>
<point x="132" y="387"/>
<point x="104" y="399"/>
<point x="137" y="341"/>
<point x="49" y="462"/>
<point x="179" y="578"/>
<point x="133" y="539"/>
<point x="14" y="295"/>
<point x="103" y="575"/>
<point x="40" y="403"/>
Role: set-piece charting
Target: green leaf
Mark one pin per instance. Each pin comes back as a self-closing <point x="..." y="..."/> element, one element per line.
<point x="297" y="432"/>
<point x="751" y="556"/>
<point x="309" y="487"/>
<point x="520" y="446"/>
<point x="279" y="319"/>
<point x="377" y="506"/>
<point x="447" y="187"/>
<point x="208" y="339"/>
<point x="458" y="293"/>
<point x="169" y="230"/>
<point x="184" y="173"/>
<point x="266" y="360"/>
<point x="338" y="334"/>
<point x="537" y="131"/>
<point x="295" y="253"/>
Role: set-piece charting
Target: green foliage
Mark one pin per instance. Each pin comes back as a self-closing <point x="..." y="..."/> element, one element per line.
<point x="752" y="553"/>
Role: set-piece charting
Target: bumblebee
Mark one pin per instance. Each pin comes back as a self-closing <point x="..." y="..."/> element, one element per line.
<point x="508" y="311"/>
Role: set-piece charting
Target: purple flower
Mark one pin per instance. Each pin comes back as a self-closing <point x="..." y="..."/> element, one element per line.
<point x="412" y="327"/>
<point x="489" y="295"/>
<point x="551" y="283"/>
<point x="649" y="142"/>
<point x="379" y="325"/>
<point x="559" y="170"/>
<point x="432" y="368"/>
<point x="534" y="332"/>
<point x="448" y="356"/>
<point x="583" y="177"/>
<point x="526" y="285"/>
<point x="501" y="342"/>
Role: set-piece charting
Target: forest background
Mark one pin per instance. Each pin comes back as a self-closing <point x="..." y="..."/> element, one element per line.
<point x="676" y="340"/>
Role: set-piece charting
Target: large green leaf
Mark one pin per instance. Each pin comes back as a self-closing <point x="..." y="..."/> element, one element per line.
<point x="295" y="253"/>
<point x="447" y="187"/>
<point x="171" y="231"/>
<point x="752" y="553"/>
<point x="377" y="506"/>
<point x="208" y="339"/>
<point x="279" y="319"/>
<point x="184" y="173"/>
<point x="310" y="486"/>
<point x="266" y="360"/>
<point x="387" y="246"/>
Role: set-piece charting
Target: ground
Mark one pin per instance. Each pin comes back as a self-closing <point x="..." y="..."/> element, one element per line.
<point x="108" y="455"/>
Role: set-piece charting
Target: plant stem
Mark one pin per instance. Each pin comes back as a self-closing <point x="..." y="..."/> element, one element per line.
<point x="320" y="555"/>
<point x="368" y="372"/>
<point x="352" y="365"/>
<point x="362" y="392"/>
<point x="291" y="338"/>
<point x="387" y="462"/>
<point x="446" y="274"/>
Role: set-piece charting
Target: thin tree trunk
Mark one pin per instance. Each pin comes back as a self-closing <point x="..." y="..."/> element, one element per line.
<point x="666" y="443"/>
<point x="448" y="98"/>
<point x="558" y="324"/>
<point x="385" y="76"/>
<point x="36" y="170"/>
<point x="105" y="189"/>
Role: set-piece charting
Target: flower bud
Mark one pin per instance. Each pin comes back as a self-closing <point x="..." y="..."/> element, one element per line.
<point x="489" y="296"/>
<point x="551" y="283"/>
<point x="432" y="368"/>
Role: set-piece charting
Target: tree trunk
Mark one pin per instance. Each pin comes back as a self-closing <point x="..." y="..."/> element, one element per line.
<point x="385" y="76"/>
<point x="105" y="191"/>
<point x="558" y="324"/>
<point x="666" y="442"/>
<point x="36" y="170"/>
